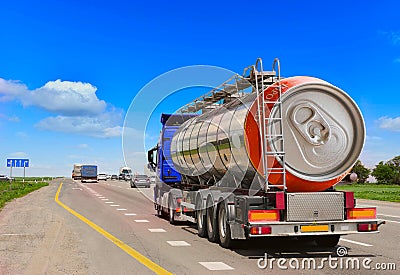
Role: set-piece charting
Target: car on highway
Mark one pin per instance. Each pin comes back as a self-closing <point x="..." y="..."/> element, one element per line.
<point x="152" y="179"/>
<point x="102" y="177"/>
<point x="114" y="177"/>
<point x="140" y="181"/>
<point x="4" y="178"/>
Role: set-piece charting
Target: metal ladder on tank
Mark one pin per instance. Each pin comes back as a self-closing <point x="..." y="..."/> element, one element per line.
<point x="275" y="139"/>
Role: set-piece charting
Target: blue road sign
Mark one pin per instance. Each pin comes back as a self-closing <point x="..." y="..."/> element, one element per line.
<point x="17" y="162"/>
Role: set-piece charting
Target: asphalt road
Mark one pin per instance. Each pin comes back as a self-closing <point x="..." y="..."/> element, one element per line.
<point x="114" y="230"/>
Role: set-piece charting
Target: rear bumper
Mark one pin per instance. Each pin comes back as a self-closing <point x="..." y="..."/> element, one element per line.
<point x="141" y="184"/>
<point x="89" y="180"/>
<point x="296" y="229"/>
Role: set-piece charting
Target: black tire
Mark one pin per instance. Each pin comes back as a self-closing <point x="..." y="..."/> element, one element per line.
<point x="132" y="185"/>
<point x="224" y="228"/>
<point x="159" y="211"/>
<point x="201" y="221"/>
<point x="327" y="241"/>
<point x="212" y="225"/>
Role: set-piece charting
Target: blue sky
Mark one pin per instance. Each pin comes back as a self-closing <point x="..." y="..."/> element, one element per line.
<point x="69" y="70"/>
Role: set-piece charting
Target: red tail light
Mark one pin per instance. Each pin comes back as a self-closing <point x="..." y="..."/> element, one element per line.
<point x="366" y="227"/>
<point x="260" y="230"/>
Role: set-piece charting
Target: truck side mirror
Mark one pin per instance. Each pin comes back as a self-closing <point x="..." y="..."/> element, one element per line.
<point x="150" y="158"/>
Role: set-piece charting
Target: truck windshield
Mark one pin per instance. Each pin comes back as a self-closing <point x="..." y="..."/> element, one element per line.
<point x="176" y="120"/>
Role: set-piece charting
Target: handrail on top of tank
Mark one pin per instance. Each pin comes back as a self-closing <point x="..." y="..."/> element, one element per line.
<point x="278" y="63"/>
<point x="259" y="62"/>
<point x="212" y="95"/>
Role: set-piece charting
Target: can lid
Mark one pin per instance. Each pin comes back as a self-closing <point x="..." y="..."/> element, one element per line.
<point x="323" y="131"/>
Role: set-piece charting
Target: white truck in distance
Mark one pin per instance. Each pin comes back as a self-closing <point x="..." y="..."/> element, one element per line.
<point x="125" y="173"/>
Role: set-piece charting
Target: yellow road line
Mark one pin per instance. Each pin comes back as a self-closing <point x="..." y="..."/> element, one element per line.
<point x="132" y="252"/>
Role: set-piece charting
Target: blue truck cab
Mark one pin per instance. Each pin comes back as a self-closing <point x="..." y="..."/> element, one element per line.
<point x="159" y="157"/>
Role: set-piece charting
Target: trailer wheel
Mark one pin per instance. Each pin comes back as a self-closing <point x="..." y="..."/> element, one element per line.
<point x="212" y="225"/>
<point x="171" y="211"/>
<point x="201" y="221"/>
<point x="159" y="208"/>
<point x="159" y="211"/>
<point x="327" y="241"/>
<point x="224" y="228"/>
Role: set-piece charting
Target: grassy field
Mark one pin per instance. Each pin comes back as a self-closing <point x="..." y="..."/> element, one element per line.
<point x="18" y="188"/>
<point x="381" y="192"/>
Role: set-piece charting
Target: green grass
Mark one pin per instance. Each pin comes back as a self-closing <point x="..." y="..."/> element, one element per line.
<point x="18" y="188"/>
<point x="381" y="192"/>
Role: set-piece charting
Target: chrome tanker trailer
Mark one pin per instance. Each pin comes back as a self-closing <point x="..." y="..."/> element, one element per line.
<point x="259" y="156"/>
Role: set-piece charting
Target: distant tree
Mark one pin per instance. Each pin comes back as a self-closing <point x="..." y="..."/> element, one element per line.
<point x="361" y="171"/>
<point x="384" y="173"/>
<point x="394" y="163"/>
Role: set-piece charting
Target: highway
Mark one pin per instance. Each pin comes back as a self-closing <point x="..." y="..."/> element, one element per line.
<point x="110" y="228"/>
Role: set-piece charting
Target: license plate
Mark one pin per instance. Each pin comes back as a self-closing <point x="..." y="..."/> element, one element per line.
<point x="314" y="228"/>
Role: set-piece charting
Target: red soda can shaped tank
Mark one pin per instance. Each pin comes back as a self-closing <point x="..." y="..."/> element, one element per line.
<point x="322" y="128"/>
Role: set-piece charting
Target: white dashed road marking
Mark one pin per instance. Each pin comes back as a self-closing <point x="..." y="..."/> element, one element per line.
<point x="141" y="221"/>
<point x="104" y="199"/>
<point x="130" y="214"/>
<point x="392" y="221"/>
<point x="157" y="230"/>
<point x="354" y="242"/>
<point x="109" y="202"/>
<point x="121" y="209"/>
<point x="114" y="205"/>
<point x="391" y="216"/>
<point x="216" y="266"/>
<point x="178" y="243"/>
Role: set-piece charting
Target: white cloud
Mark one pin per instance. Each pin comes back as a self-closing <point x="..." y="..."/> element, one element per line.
<point x="394" y="37"/>
<point x="82" y="146"/>
<point x="388" y="123"/>
<point x="370" y="158"/>
<point x="104" y="125"/>
<point x="19" y="155"/>
<point x="76" y="106"/>
<point x="397" y="60"/>
<point x="371" y="138"/>
<point x="21" y="135"/>
<point x="59" y="97"/>
<point x="13" y="118"/>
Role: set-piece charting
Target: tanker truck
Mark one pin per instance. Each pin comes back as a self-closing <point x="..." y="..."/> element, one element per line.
<point x="258" y="157"/>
